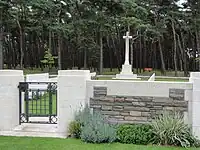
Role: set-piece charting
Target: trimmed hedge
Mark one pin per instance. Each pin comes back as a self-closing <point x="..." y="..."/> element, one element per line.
<point x="135" y="134"/>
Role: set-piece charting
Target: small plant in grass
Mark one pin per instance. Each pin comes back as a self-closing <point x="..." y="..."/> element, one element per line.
<point x="75" y="129"/>
<point x="169" y="129"/>
<point x="135" y="134"/>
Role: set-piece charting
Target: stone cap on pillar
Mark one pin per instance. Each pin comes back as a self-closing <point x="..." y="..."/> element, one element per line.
<point x="194" y="74"/>
<point x="11" y="73"/>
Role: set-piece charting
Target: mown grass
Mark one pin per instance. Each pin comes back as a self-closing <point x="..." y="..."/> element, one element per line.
<point x="40" y="105"/>
<point x="28" y="143"/>
<point x="107" y="71"/>
<point x="145" y="79"/>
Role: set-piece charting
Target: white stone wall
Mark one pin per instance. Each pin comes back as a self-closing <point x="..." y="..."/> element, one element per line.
<point x="75" y="88"/>
<point x="144" y="89"/>
<point x="139" y="88"/>
<point x="195" y="103"/>
<point x="9" y="98"/>
<point x="71" y="96"/>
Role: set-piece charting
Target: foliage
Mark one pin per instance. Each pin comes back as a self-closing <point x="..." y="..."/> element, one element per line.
<point x="166" y="35"/>
<point x="135" y="134"/>
<point x="94" y="127"/>
<point x="97" y="130"/>
<point x="169" y="129"/>
<point x="48" y="60"/>
<point x="75" y="129"/>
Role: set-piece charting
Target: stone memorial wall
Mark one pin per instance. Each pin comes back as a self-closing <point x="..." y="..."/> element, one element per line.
<point x="136" y="109"/>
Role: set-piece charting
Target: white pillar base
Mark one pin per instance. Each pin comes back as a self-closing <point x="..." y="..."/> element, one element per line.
<point x="127" y="73"/>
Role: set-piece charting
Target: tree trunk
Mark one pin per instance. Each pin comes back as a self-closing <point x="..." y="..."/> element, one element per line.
<point x="110" y="53"/>
<point x="50" y="48"/>
<point x="161" y="57"/>
<point x="132" y="54"/>
<point x="115" y="53"/>
<point x="21" y="45"/>
<point x="145" y="54"/>
<point x="140" y="53"/>
<point x="184" y="56"/>
<point x="85" y="59"/>
<point x="175" y="49"/>
<point x="198" y="46"/>
<point x="181" y="53"/>
<point x="1" y="49"/>
<point x="101" y="53"/>
<point x="59" y="53"/>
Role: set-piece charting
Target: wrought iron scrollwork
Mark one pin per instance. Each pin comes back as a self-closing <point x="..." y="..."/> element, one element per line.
<point x="53" y="119"/>
<point x="23" y="118"/>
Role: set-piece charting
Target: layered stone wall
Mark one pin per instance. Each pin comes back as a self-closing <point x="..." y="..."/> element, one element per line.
<point x="140" y="109"/>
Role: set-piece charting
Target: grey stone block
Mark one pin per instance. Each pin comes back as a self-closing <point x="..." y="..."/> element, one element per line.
<point x="114" y="113"/>
<point x="146" y="99"/>
<point x="118" y="99"/>
<point x="130" y="100"/>
<point x="135" y="113"/>
<point x="136" y="108"/>
<point x="104" y="107"/>
<point x="146" y="114"/>
<point x="138" y="103"/>
<point x="95" y="106"/>
<point x="123" y="104"/>
<point x="117" y="117"/>
<point x="162" y="100"/>
<point x="100" y="93"/>
<point x="177" y="94"/>
<point x="125" y="113"/>
<point x="136" y="118"/>
<point x="96" y="88"/>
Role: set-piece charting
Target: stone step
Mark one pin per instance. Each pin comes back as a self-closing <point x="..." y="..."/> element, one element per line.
<point x="35" y="130"/>
<point x="31" y="134"/>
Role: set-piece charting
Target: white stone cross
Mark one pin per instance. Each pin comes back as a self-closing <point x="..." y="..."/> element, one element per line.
<point x="127" y="37"/>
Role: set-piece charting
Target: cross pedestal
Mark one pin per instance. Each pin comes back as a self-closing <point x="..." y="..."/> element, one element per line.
<point x="126" y="72"/>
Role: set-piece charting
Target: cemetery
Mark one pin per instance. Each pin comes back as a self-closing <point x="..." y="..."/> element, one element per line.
<point x="100" y="75"/>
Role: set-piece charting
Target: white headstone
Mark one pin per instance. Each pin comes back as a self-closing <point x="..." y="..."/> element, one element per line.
<point x="152" y="78"/>
<point x="37" y="78"/>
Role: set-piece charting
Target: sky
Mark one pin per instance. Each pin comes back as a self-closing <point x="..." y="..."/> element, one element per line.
<point x="181" y="1"/>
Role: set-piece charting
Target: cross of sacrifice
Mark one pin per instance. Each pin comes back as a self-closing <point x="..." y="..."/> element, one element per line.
<point x="127" y="38"/>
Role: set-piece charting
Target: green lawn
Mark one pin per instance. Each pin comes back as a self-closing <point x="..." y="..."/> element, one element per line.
<point x="145" y="79"/>
<point x="40" y="105"/>
<point x="24" y="143"/>
<point x="106" y="71"/>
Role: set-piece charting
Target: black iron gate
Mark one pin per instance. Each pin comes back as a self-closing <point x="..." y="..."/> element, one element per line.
<point x="38" y="102"/>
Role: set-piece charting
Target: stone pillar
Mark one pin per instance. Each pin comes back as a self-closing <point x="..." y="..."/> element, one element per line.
<point x="195" y="103"/>
<point x="9" y="98"/>
<point x="71" y="95"/>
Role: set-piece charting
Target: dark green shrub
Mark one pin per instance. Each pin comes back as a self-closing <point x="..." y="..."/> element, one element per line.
<point x="96" y="130"/>
<point x="134" y="134"/>
<point x="170" y="129"/>
<point x="75" y="129"/>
